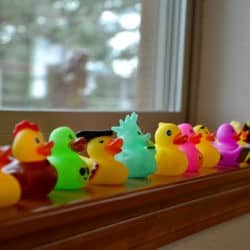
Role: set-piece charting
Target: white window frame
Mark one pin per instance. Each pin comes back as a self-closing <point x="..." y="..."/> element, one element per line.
<point x="148" y="120"/>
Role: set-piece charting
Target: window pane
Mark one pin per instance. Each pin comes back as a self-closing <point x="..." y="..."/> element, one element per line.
<point x="81" y="54"/>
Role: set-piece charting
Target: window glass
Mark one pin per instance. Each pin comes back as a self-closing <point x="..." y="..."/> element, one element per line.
<point x="84" y="54"/>
<point x="79" y="54"/>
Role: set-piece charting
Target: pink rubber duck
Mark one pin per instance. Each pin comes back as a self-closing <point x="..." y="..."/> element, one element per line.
<point x="227" y="145"/>
<point x="194" y="156"/>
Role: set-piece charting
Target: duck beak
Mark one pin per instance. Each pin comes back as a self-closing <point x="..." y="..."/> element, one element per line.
<point x="45" y="149"/>
<point x="93" y="170"/>
<point x="236" y="136"/>
<point x="195" y="138"/>
<point x="78" y="145"/>
<point x="150" y="145"/>
<point x="5" y="151"/>
<point x="114" y="146"/>
<point x="210" y="137"/>
<point x="244" y="135"/>
<point x="180" y="139"/>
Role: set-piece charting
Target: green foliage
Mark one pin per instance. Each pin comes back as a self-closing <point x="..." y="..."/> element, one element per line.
<point x="72" y="23"/>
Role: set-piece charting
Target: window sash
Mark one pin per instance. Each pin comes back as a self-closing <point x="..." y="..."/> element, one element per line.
<point x="148" y="120"/>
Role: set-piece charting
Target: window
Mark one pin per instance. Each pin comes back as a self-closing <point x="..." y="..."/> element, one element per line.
<point x="93" y="56"/>
<point x="69" y="54"/>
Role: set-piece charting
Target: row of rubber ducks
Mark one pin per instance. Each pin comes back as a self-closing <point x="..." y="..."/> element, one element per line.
<point x="32" y="167"/>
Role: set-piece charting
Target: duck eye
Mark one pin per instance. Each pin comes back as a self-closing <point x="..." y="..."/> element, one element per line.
<point x="138" y="132"/>
<point x="168" y="132"/>
<point x="71" y="137"/>
<point x="101" y="141"/>
<point x="82" y="171"/>
<point x="202" y="127"/>
<point x="37" y="140"/>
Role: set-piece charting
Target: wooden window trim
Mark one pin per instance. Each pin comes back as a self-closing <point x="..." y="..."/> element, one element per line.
<point x="142" y="216"/>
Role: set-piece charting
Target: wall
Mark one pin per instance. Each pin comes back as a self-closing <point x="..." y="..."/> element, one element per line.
<point x="224" y="85"/>
<point x="230" y="235"/>
<point x="224" y="95"/>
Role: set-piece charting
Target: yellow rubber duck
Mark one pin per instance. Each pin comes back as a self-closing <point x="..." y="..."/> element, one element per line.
<point x="237" y="126"/>
<point x="10" y="190"/>
<point x="211" y="155"/>
<point x="239" y="130"/>
<point x="170" y="160"/>
<point x="101" y="150"/>
<point x="243" y="135"/>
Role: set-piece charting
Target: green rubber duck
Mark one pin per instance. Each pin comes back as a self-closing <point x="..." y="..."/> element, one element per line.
<point x="72" y="170"/>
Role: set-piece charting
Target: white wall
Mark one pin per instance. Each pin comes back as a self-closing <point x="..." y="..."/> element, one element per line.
<point x="224" y="95"/>
<point x="231" y="235"/>
<point x="224" y="86"/>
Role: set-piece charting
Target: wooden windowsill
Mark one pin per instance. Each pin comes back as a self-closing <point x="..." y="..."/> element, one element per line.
<point x="143" y="214"/>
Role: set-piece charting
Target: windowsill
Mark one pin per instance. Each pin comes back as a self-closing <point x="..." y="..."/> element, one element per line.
<point x="144" y="214"/>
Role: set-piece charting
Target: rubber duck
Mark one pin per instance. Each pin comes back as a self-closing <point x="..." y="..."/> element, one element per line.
<point x="194" y="156"/>
<point x="243" y="135"/>
<point x="10" y="190"/>
<point x="211" y="156"/>
<point x="138" y="152"/>
<point x="170" y="159"/>
<point x="246" y="129"/>
<point x="237" y="126"/>
<point x="227" y="145"/>
<point x="101" y="148"/>
<point x="245" y="153"/>
<point x="240" y="137"/>
<point x="73" y="172"/>
<point x="36" y="176"/>
<point x="244" y="157"/>
<point x="5" y="155"/>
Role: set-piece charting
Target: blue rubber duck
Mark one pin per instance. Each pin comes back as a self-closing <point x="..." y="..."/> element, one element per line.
<point x="138" y="152"/>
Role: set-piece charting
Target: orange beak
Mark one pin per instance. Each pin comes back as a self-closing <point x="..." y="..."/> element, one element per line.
<point x="195" y="138"/>
<point x="210" y="137"/>
<point x="244" y="135"/>
<point x="5" y="153"/>
<point x="45" y="149"/>
<point x="180" y="139"/>
<point x="114" y="146"/>
<point x="78" y="145"/>
<point x="236" y="136"/>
